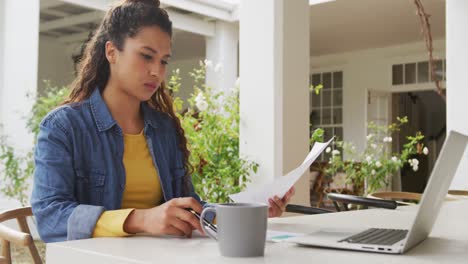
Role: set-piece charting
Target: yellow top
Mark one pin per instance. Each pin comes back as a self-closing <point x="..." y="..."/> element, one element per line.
<point x="142" y="187"/>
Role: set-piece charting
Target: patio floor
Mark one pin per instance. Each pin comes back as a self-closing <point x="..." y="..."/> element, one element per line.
<point x="21" y="254"/>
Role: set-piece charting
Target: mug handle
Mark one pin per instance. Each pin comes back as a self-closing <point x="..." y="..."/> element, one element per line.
<point x="203" y="226"/>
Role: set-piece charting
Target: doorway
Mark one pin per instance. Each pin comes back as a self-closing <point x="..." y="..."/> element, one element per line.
<point x="426" y="112"/>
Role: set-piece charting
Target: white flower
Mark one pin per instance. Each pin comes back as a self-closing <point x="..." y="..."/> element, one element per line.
<point x="328" y="150"/>
<point x="378" y="164"/>
<point x="237" y="83"/>
<point x="415" y="162"/>
<point x="200" y="97"/>
<point x="368" y="159"/>
<point x="373" y="172"/>
<point x="369" y="137"/>
<point x="394" y="159"/>
<point x="218" y="67"/>
<point x="208" y="63"/>
<point x="200" y="102"/>
<point x="374" y="146"/>
<point x="335" y="152"/>
<point x="415" y="167"/>
<point x="202" y="106"/>
<point x="387" y="139"/>
<point x="425" y="150"/>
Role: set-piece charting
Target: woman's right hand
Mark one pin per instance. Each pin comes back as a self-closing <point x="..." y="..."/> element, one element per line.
<point x="170" y="218"/>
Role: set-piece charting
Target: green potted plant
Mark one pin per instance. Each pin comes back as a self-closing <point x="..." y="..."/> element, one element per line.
<point x="370" y="170"/>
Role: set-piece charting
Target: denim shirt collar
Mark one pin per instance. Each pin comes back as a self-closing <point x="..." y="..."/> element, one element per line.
<point x="103" y="118"/>
<point x="148" y="115"/>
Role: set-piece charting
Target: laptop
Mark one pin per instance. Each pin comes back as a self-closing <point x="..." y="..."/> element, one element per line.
<point x="398" y="241"/>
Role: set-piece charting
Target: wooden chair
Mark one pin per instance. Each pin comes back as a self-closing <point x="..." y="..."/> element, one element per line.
<point x="458" y="192"/>
<point x="407" y="198"/>
<point x="23" y="238"/>
<point x="402" y="198"/>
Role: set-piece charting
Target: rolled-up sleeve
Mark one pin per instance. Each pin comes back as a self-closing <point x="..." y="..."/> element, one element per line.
<point x="58" y="215"/>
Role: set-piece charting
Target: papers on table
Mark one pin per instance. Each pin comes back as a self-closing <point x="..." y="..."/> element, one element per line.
<point x="279" y="236"/>
<point x="279" y="187"/>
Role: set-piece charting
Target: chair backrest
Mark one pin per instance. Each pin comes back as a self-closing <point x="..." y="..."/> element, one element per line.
<point x="21" y="238"/>
<point x="408" y="198"/>
<point x="458" y="192"/>
<point x="402" y="198"/>
<point x="365" y="202"/>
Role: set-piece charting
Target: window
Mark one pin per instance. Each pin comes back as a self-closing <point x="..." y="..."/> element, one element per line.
<point x="417" y="72"/>
<point x="327" y="106"/>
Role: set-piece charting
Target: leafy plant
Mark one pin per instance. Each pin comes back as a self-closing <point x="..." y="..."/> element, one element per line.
<point x="18" y="168"/>
<point x="373" y="167"/>
<point x="16" y="171"/>
<point x="211" y="124"/>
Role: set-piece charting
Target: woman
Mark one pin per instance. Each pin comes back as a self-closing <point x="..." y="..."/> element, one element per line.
<point x="113" y="160"/>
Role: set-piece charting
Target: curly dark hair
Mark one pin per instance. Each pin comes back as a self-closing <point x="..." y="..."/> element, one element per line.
<point x="122" y="21"/>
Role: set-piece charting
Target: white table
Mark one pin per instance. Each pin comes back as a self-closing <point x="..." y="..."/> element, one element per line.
<point x="448" y="242"/>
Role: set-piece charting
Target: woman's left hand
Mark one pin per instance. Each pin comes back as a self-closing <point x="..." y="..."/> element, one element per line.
<point x="277" y="206"/>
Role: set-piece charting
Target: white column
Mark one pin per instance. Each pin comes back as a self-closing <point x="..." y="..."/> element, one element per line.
<point x="457" y="81"/>
<point x="222" y="50"/>
<point x="19" y="45"/>
<point x="2" y="47"/>
<point x="274" y="69"/>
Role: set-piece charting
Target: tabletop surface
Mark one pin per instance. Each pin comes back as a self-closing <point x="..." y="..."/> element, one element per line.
<point x="448" y="242"/>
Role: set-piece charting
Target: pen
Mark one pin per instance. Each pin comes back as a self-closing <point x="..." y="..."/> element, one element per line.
<point x="210" y="225"/>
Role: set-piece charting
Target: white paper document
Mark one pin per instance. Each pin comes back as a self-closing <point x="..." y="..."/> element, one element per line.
<point x="279" y="187"/>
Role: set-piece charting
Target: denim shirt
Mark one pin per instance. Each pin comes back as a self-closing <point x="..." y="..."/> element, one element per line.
<point x="79" y="171"/>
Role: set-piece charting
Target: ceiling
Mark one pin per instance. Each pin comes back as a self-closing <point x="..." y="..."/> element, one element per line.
<point x="346" y="25"/>
<point x="63" y="21"/>
<point x="335" y="27"/>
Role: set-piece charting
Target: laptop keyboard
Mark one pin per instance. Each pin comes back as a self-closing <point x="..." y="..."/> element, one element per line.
<point x="377" y="236"/>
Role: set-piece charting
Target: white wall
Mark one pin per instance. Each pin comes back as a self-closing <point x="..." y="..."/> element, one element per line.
<point x="457" y="67"/>
<point x="2" y="47"/>
<point x="55" y="63"/>
<point x="368" y="70"/>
